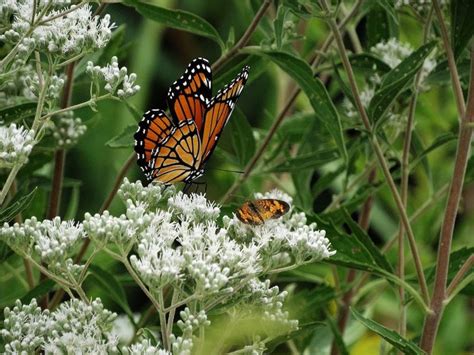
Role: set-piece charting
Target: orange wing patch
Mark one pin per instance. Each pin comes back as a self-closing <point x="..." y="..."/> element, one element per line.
<point x="258" y="211"/>
<point x="189" y="95"/>
<point x="154" y="128"/>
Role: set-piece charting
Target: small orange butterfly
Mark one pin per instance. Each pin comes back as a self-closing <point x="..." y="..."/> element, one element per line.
<point x="258" y="211"/>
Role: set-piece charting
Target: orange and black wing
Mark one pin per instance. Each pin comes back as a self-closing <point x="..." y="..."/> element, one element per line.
<point x="218" y="113"/>
<point x="189" y="95"/>
<point x="178" y="157"/>
<point x="154" y="127"/>
<point x="258" y="211"/>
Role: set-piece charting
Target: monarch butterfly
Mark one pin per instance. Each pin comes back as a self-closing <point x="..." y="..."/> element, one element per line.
<point x="258" y="211"/>
<point x="176" y="149"/>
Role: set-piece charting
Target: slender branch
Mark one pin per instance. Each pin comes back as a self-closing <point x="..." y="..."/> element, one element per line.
<point x="315" y="61"/>
<point x="432" y="321"/>
<point x="451" y="61"/>
<point x="78" y="106"/>
<point x="56" y="183"/>
<point x="379" y="153"/>
<point x="231" y="53"/>
<point x="405" y="172"/>
<point x="459" y="275"/>
<point x="163" y="325"/>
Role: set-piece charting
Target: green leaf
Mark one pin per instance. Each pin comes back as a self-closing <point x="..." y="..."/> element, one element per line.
<point x="18" y="204"/>
<point x="124" y="139"/>
<point x="381" y="24"/>
<point x="368" y="244"/>
<point x="441" y="75"/>
<point x="5" y="251"/>
<point x="306" y="161"/>
<point x="38" y="291"/>
<point x="17" y="112"/>
<point x="147" y="334"/>
<point x="242" y="138"/>
<point x="337" y="335"/>
<point x="368" y="64"/>
<point x="396" y="81"/>
<point x="298" y="9"/>
<point x="319" y="98"/>
<point x="417" y="148"/>
<point x="462" y="26"/>
<point x="439" y="141"/>
<point x="113" y="288"/>
<point x="402" y="344"/>
<point x="178" y="19"/>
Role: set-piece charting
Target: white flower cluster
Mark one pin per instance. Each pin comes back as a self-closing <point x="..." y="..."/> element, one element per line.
<point x="68" y="129"/>
<point x="52" y="240"/>
<point x="145" y="347"/>
<point x="32" y="88"/>
<point x="417" y="5"/>
<point x="65" y="32"/>
<point x="392" y="53"/>
<point x="117" y="81"/>
<point x="16" y="144"/>
<point x="194" y="207"/>
<point x="188" y="324"/>
<point x="75" y="327"/>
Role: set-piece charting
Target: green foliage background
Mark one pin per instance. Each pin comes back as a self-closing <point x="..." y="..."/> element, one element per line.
<point x="304" y="158"/>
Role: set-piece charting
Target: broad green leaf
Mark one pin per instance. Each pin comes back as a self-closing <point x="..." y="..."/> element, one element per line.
<point x="242" y="137"/>
<point x="368" y="64"/>
<point x="380" y="23"/>
<point x="179" y="19"/>
<point x="307" y="161"/>
<point x="17" y="112"/>
<point x="368" y="244"/>
<point x="319" y="98"/>
<point x="396" y="81"/>
<point x="402" y="344"/>
<point x="110" y="284"/>
<point x="18" y="204"/>
<point x="39" y="290"/>
<point x="462" y="26"/>
<point x="124" y="139"/>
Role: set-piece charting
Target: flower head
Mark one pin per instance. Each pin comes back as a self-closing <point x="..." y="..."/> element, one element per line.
<point x="16" y="144"/>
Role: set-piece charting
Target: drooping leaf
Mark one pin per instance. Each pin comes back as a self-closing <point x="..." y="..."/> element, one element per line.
<point x="38" y="291"/>
<point x="124" y="139"/>
<point x="242" y="137"/>
<point x="396" y="81"/>
<point x="17" y="112"/>
<point x="319" y="98"/>
<point x="365" y="240"/>
<point x="402" y="344"/>
<point x="178" y="19"/>
<point x="114" y="289"/>
<point x="18" y="204"/>
<point x="462" y="26"/>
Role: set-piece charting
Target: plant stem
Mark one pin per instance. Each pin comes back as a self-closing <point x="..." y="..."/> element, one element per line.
<point x="432" y="321"/>
<point x="231" y="53"/>
<point x="78" y="106"/>
<point x="315" y="61"/>
<point x="172" y="312"/>
<point x="460" y="105"/>
<point x="459" y="275"/>
<point x="163" y="325"/>
<point x="379" y="153"/>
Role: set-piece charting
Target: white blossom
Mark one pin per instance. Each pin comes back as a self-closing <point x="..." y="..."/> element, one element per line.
<point x="189" y="323"/>
<point x="16" y="144"/>
<point x="117" y="81"/>
<point x="194" y="206"/>
<point x="144" y="347"/>
<point x="68" y="129"/>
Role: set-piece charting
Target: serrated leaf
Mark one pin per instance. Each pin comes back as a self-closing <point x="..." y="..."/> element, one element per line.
<point x="124" y="139"/>
<point x="114" y="289"/>
<point x="402" y="344"/>
<point x="368" y="244"/>
<point x="396" y="81"/>
<point x="314" y="89"/>
<point x="17" y="112"/>
<point x="242" y="137"/>
<point x="462" y="26"/>
<point x="18" y="204"/>
<point x="178" y="19"/>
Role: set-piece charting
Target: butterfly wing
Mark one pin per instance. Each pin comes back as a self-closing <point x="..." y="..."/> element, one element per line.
<point x="258" y="211"/>
<point x="178" y="157"/>
<point x="218" y="112"/>
<point x="189" y="95"/>
<point x="154" y="127"/>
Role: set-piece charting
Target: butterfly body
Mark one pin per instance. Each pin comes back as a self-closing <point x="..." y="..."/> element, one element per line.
<point x="258" y="211"/>
<point x="176" y="149"/>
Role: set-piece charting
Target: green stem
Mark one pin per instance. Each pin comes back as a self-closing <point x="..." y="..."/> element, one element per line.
<point x="379" y="153"/>
<point x="163" y="326"/>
